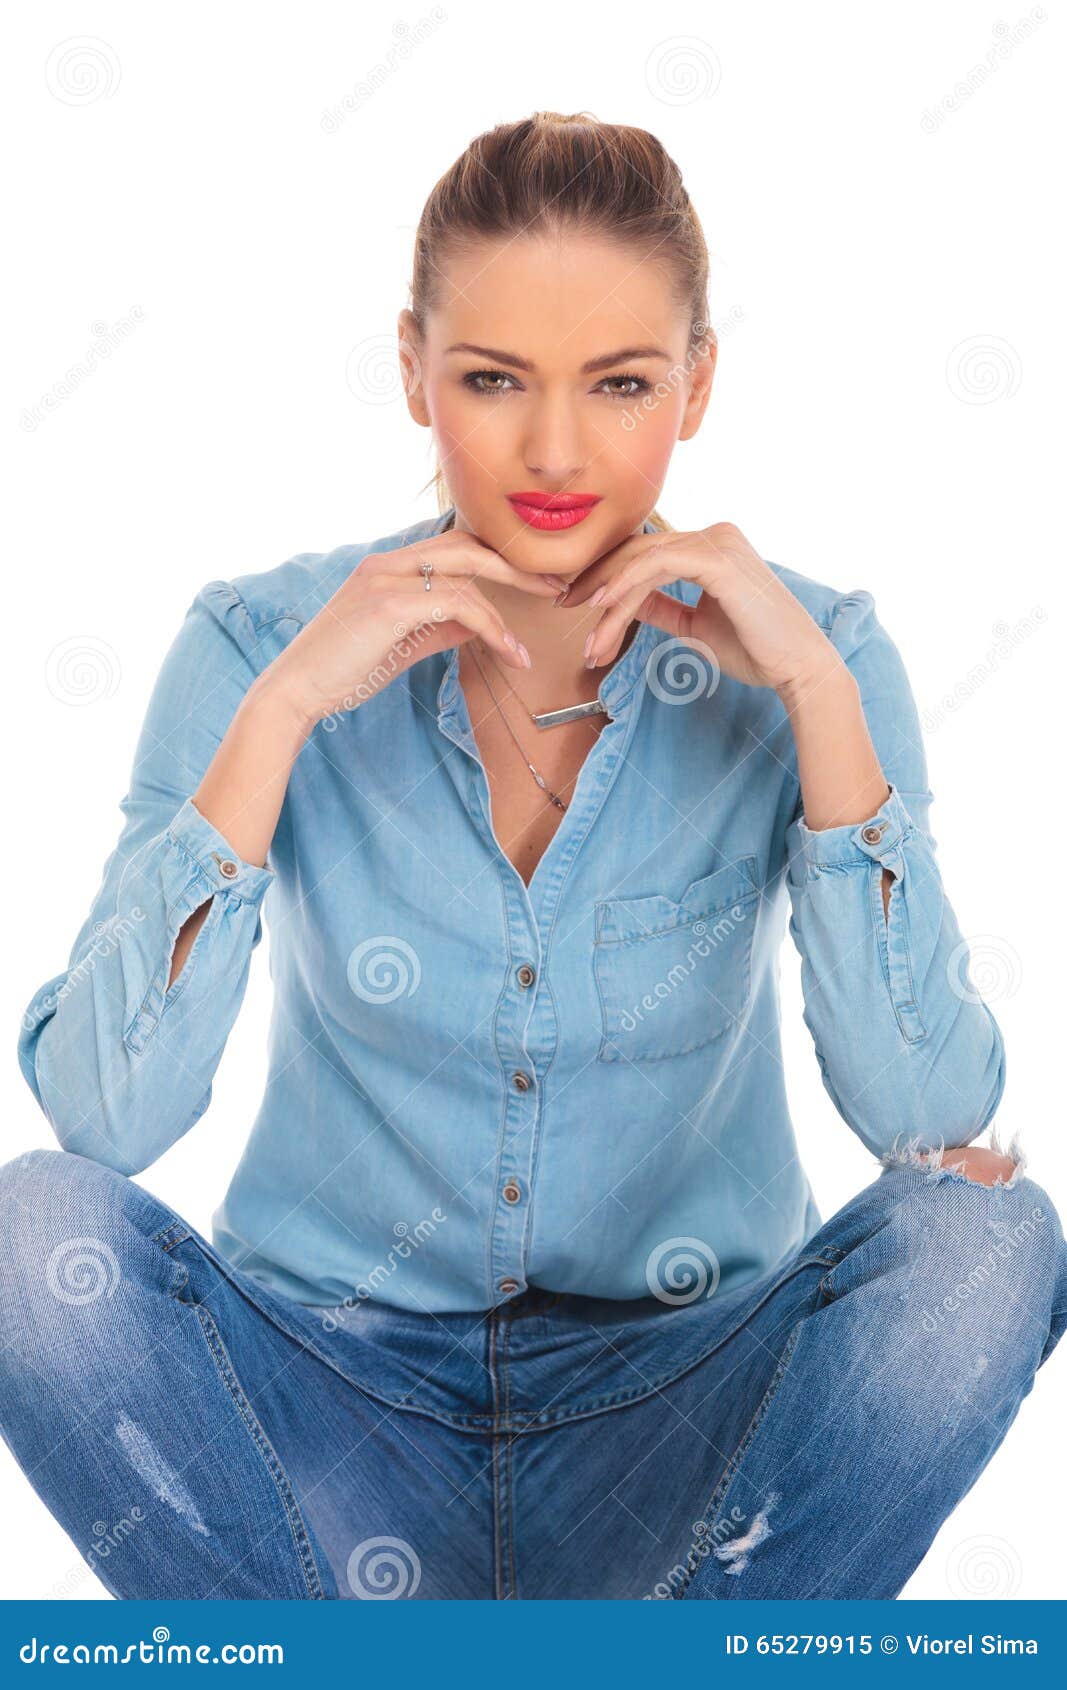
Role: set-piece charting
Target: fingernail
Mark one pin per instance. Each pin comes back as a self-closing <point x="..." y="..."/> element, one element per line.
<point x="559" y="598"/>
<point x="525" y="655"/>
<point x="509" y="639"/>
<point x="598" y="595"/>
<point x="588" y="648"/>
<point x="556" y="581"/>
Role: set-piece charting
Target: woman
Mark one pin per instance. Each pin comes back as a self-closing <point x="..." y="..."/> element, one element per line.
<point x="519" y="1290"/>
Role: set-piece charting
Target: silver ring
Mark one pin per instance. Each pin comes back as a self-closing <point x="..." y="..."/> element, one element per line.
<point x="426" y="570"/>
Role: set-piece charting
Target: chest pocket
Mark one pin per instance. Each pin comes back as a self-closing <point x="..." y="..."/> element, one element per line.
<point x="674" y="974"/>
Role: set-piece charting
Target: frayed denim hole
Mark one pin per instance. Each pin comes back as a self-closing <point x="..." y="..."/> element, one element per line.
<point x="928" y="1160"/>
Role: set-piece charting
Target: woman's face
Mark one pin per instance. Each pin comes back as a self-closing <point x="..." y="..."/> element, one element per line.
<point x="555" y="367"/>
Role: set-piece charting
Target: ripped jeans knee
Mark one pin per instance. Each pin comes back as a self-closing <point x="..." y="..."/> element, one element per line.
<point x="970" y="1164"/>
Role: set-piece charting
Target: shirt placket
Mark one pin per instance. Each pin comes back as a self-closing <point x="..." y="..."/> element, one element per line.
<point x="511" y="1020"/>
<point x="521" y="1009"/>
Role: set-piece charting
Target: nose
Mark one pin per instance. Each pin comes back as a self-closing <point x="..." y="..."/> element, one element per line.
<point x="553" y="446"/>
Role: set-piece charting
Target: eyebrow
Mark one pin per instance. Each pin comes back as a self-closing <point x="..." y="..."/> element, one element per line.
<point x="590" y="366"/>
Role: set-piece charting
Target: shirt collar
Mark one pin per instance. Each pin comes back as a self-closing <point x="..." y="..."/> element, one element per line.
<point x="615" y="689"/>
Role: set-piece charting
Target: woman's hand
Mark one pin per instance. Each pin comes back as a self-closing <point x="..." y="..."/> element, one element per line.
<point x="755" y="628"/>
<point x="381" y="621"/>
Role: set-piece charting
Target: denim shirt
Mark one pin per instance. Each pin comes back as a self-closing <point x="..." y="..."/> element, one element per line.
<point x="475" y="1086"/>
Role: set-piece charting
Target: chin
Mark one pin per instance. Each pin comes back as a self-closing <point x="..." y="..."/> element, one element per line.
<point x="568" y="553"/>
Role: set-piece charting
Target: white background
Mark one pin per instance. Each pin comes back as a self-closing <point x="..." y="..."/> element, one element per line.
<point x="886" y="414"/>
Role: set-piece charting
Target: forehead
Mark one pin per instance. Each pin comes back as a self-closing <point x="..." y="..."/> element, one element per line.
<point x="572" y="295"/>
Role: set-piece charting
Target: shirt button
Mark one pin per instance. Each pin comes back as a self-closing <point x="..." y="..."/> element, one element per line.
<point x="521" y="1081"/>
<point x="228" y="867"/>
<point x="526" y="975"/>
<point x="871" y="835"/>
<point x="508" y="1285"/>
<point x="512" y="1192"/>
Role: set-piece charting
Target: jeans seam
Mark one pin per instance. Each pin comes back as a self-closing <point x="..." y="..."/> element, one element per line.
<point x="636" y="1393"/>
<point x="718" y="1495"/>
<point x="509" y="1469"/>
<point x="220" y="1355"/>
<point x="498" y="1541"/>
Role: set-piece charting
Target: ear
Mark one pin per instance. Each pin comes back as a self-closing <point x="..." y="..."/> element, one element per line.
<point x="410" y="353"/>
<point x="702" y="357"/>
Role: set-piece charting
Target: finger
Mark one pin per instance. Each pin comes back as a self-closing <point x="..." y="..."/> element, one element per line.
<point x="458" y="602"/>
<point x="465" y="554"/>
<point x="643" y="601"/>
<point x="606" y="569"/>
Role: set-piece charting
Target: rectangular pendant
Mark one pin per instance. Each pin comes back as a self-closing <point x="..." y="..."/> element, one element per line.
<point x="573" y="713"/>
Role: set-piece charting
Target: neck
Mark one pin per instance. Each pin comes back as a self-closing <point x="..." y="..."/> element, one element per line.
<point x="553" y="635"/>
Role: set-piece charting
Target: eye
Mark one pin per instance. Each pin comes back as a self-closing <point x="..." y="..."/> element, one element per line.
<point x="641" y="387"/>
<point x="474" y="378"/>
<point x="489" y="382"/>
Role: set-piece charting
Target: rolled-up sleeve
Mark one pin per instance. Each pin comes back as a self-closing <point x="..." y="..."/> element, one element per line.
<point x="908" y="1049"/>
<point x="121" y="1063"/>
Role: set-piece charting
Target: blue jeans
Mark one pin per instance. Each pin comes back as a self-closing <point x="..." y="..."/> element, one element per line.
<point x="804" y="1436"/>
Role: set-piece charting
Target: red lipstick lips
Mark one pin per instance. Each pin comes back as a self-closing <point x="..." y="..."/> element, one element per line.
<point x="553" y="511"/>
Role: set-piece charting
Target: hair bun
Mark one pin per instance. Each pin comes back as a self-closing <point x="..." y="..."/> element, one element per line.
<point x="561" y="119"/>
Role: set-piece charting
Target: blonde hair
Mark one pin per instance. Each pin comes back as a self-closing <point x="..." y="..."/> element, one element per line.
<point x="549" y="172"/>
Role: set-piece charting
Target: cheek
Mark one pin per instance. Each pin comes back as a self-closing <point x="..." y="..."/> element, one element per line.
<point x="645" y="442"/>
<point x="474" y="457"/>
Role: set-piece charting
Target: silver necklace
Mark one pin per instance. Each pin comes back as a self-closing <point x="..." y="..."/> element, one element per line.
<point x="539" y="778"/>
<point x="542" y="718"/>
